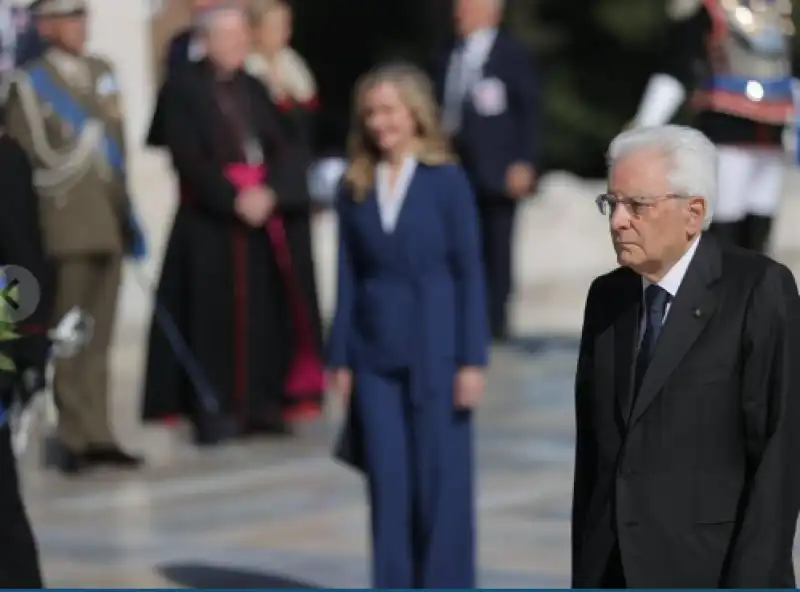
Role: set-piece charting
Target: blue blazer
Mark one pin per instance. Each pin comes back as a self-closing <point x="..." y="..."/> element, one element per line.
<point x="489" y="144"/>
<point x="412" y="298"/>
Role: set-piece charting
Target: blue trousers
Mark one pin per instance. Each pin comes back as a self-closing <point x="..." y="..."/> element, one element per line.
<point x="419" y="472"/>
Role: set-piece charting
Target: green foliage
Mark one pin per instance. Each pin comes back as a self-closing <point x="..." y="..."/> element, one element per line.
<point x="7" y="332"/>
<point x="633" y="23"/>
<point x="595" y="57"/>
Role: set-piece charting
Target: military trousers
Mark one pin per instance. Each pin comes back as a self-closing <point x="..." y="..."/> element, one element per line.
<point x="90" y="282"/>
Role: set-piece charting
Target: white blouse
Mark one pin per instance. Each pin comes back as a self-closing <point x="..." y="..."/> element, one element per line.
<point x="390" y="201"/>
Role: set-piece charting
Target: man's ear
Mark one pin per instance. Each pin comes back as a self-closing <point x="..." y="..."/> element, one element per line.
<point x="696" y="213"/>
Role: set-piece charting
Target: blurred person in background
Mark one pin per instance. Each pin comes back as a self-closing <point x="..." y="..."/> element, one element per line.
<point x="65" y="110"/>
<point x="408" y="345"/>
<point x="686" y="403"/>
<point x="292" y="88"/>
<point x="733" y="60"/>
<point x="220" y="280"/>
<point x="32" y="38"/>
<point x="21" y="245"/>
<point x="186" y="46"/>
<point x="183" y="48"/>
<point x="489" y="93"/>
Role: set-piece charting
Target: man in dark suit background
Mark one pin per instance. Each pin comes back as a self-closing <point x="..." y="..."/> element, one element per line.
<point x="686" y="389"/>
<point x="489" y="95"/>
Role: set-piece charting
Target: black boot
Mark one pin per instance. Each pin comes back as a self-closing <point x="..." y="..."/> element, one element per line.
<point x="211" y="429"/>
<point x="728" y="233"/>
<point x="757" y="230"/>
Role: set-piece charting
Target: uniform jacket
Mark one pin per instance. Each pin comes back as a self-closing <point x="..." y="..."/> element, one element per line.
<point x="79" y="169"/>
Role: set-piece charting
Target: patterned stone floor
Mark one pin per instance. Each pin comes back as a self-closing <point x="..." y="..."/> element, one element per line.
<point x="270" y="515"/>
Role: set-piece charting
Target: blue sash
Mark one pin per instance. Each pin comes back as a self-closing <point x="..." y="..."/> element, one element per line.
<point x="775" y="89"/>
<point x="68" y="109"/>
<point x="71" y="112"/>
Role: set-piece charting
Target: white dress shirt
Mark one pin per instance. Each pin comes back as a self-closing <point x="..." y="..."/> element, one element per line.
<point x="196" y="50"/>
<point x="464" y="70"/>
<point x="671" y="282"/>
<point x="391" y="199"/>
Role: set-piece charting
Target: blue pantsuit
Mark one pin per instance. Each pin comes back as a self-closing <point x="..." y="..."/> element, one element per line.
<point x="410" y="312"/>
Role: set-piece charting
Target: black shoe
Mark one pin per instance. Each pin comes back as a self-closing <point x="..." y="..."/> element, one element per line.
<point x="112" y="456"/>
<point x="210" y="430"/>
<point x="268" y="426"/>
<point x="70" y="462"/>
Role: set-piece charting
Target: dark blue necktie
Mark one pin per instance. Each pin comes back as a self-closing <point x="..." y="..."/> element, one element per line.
<point x="656" y="299"/>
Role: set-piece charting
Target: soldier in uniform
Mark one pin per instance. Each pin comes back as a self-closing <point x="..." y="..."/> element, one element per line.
<point x="64" y="110"/>
<point x="741" y="100"/>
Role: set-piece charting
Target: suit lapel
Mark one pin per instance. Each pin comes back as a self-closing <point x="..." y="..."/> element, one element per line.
<point x="626" y="331"/>
<point x="688" y="315"/>
<point x="372" y="196"/>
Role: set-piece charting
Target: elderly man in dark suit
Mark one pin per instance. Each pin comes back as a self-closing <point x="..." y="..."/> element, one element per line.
<point x="489" y="94"/>
<point x="687" y="388"/>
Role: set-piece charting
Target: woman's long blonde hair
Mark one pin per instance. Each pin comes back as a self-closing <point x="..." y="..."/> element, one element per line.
<point x="416" y="93"/>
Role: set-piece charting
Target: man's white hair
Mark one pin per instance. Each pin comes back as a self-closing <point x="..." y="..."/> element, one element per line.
<point x="208" y="17"/>
<point x="691" y="155"/>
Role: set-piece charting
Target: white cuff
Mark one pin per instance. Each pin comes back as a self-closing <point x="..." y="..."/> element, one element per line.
<point x="662" y="98"/>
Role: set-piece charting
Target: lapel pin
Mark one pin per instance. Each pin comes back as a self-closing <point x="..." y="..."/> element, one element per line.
<point x="697" y="313"/>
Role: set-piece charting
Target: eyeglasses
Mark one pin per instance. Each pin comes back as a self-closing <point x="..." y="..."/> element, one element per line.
<point x="636" y="206"/>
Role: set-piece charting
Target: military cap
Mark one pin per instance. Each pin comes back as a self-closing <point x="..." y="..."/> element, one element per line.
<point x="45" y="8"/>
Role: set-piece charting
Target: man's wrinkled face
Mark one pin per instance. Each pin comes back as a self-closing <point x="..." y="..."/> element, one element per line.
<point x="649" y="224"/>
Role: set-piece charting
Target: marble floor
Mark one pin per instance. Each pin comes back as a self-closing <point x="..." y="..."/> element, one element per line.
<point x="284" y="514"/>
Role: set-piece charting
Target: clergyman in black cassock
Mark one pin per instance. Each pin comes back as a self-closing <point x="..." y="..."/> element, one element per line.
<point x="686" y="472"/>
<point x="220" y="282"/>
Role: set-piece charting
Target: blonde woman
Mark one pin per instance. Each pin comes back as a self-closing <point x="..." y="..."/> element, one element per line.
<point x="409" y="340"/>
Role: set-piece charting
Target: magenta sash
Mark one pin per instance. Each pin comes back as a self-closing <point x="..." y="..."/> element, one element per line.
<point x="305" y="380"/>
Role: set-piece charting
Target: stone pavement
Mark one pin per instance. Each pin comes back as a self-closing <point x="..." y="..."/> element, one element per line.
<point x="276" y="514"/>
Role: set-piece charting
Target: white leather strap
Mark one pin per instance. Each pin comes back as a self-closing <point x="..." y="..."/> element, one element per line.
<point x="60" y="167"/>
<point x="662" y="98"/>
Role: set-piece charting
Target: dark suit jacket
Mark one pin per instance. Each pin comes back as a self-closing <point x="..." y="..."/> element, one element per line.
<point x="489" y="144"/>
<point x="698" y="483"/>
<point x="413" y="298"/>
<point x="418" y="288"/>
